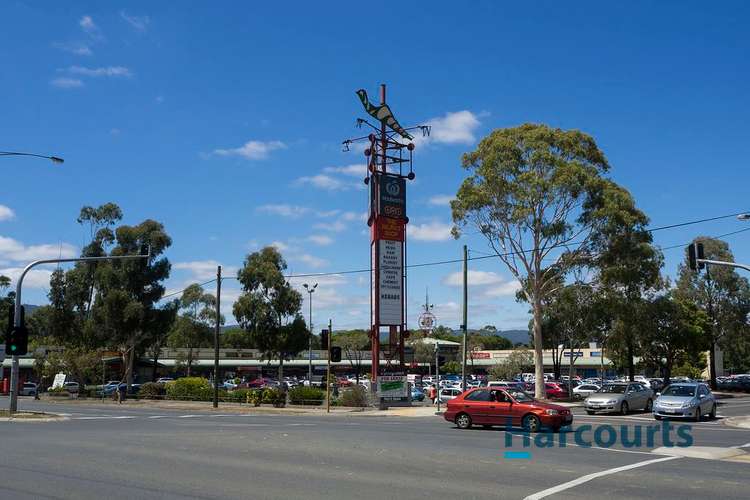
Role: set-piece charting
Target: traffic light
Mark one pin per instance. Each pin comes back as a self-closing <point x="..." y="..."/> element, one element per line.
<point x="335" y="354"/>
<point x="324" y="340"/>
<point x="695" y="252"/>
<point x="16" y="337"/>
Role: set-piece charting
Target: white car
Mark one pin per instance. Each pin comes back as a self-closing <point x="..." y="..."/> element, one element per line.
<point x="449" y="393"/>
<point x="28" y="389"/>
<point x="584" y="390"/>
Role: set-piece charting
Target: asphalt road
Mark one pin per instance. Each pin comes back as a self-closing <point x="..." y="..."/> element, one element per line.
<point x="111" y="451"/>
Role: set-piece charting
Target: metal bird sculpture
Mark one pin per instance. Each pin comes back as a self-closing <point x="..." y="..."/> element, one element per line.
<point x="382" y="113"/>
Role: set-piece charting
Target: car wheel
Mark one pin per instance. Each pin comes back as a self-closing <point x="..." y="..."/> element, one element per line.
<point x="697" y="417"/>
<point x="649" y="406"/>
<point x="712" y="415"/>
<point x="624" y="408"/>
<point x="531" y="423"/>
<point x="463" y="421"/>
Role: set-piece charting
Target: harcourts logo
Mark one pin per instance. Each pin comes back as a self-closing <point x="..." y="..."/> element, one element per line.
<point x="604" y="436"/>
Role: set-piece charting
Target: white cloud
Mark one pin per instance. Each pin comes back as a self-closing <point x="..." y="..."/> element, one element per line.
<point x="6" y="213"/>
<point x="139" y="23"/>
<point x="441" y="199"/>
<point x="336" y="226"/>
<point x="66" y="83"/>
<point x="475" y="278"/>
<point x="507" y="289"/>
<point x="283" y="210"/>
<point x="323" y="181"/>
<point x="36" y="278"/>
<point x="280" y="246"/>
<point x="77" y="48"/>
<point x="320" y="239"/>
<point x="15" y="251"/>
<point x="106" y="71"/>
<point x="310" y="260"/>
<point x="431" y="231"/>
<point x="356" y="170"/>
<point x="87" y="24"/>
<point x="252" y="150"/>
<point x="454" y="128"/>
<point x="204" y="269"/>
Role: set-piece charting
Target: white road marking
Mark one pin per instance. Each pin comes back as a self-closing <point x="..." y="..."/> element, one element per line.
<point x="595" y="475"/>
<point x="189" y="416"/>
<point x="159" y="416"/>
<point x="746" y="445"/>
<point x="104" y="417"/>
<point x="618" y="450"/>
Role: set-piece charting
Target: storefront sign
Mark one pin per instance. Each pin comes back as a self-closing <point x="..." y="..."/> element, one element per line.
<point x="392" y="196"/>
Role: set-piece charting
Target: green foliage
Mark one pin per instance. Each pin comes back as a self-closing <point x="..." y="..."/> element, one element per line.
<point x="687" y="370"/>
<point x="451" y="367"/>
<point x="519" y="361"/>
<point x="239" y="395"/>
<point x="274" y="396"/>
<point x="235" y="338"/>
<point x="190" y="388"/>
<point x="355" y="396"/>
<point x="269" y="307"/>
<point x="151" y="390"/>
<point x="302" y="395"/>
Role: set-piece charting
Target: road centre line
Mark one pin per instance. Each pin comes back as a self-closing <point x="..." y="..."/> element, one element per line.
<point x="595" y="475"/>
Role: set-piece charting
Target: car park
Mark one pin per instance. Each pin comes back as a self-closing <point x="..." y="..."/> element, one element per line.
<point x="620" y="398"/>
<point x="488" y="407"/>
<point x="447" y="394"/>
<point x="685" y="400"/>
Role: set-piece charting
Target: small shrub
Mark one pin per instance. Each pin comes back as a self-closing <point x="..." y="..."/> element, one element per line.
<point x="302" y="395"/>
<point x="238" y="395"/>
<point x="274" y="396"/>
<point x="354" y="396"/>
<point x="151" y="390"/>
<point x="190" y="388"/>
<point x="255" y="397"/>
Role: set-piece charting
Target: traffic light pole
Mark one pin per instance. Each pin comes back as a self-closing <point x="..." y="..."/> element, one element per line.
<point x="328" y="371"/>
<point x="17" y="310"/>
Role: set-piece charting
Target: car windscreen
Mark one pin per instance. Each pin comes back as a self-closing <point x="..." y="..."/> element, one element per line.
<point x="613" y="389"/>
<point x="679" y="390"/>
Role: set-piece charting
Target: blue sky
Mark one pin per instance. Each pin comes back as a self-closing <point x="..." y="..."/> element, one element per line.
<point x="225" y="123"/>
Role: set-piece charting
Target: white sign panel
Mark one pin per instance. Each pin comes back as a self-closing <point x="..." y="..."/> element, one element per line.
<point x="392" y="386"/>
<point x="58" y="381"/>
<point x="390" y="283"/>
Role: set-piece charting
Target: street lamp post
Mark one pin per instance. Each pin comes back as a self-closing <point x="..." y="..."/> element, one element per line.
<point x="55" y="159"/>
<point x="310" y="290"/>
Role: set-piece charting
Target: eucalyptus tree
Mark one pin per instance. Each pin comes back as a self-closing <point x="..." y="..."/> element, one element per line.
<point x="722" y="293"/>
<point x="539" y="195"/>
<point x="269" y="307"/>
<point x="193" y="327"/>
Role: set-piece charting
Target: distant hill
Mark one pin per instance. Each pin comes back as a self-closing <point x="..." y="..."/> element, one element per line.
<point x="515" y="336"/>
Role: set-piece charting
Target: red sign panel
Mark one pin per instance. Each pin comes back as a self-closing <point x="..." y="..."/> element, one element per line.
<point x="389" y="229"/>
<point x="480" y="355"/>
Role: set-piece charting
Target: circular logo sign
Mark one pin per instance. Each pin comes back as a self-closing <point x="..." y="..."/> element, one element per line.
<point x="393" y="188"/>
<point x="426" y="321"/>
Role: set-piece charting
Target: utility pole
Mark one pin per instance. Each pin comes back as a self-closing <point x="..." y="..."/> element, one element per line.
<point x="437" y="372"/>
<point x="328" y="371"/>
<point x="17" y="310"/>
<point x="310" y="291"/>
<point x="216" y="337"/>
<point x="466" y="308"/>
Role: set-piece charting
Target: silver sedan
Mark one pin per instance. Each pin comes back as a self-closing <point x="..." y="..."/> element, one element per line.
<point x="620" y="398"/>
<point x="693" y="400"/>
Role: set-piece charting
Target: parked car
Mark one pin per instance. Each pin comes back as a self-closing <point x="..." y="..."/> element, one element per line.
<point x="585" y="390"/>
<point x="488" y="407"/>
<point x="417" y="394"/>
<point x="692" y="400"/>
<point x="621" y="398"/>
<point x="447" y="394"/>
<point x="71" y="387"/>
<point x="28" y="389"/>
<point x="553" y="390"/>
<point x="164" y="380"/>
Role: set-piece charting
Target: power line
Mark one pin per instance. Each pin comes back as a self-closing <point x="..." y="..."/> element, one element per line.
<point x="491" y="256"/>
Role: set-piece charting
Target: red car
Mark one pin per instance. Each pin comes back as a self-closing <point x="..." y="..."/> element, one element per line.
<point x="487" y="407"/>
<point x="553" y="390"/>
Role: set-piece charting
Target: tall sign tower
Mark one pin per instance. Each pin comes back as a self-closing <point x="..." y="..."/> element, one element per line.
<point x="388" y="153"/>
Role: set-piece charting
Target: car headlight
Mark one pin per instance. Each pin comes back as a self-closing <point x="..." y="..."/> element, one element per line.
<point x="687" y="404"/>
<point x="552" y="412"/>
